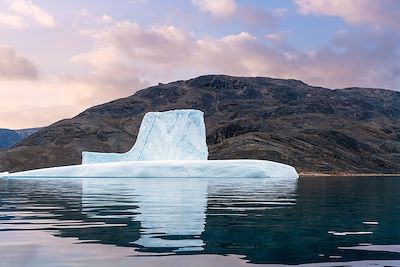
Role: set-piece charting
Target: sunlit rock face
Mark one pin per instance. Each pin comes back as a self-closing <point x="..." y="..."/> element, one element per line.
<point x="170" y="135"/>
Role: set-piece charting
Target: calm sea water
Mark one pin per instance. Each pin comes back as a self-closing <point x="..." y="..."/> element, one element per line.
<point x="320" y="221"/>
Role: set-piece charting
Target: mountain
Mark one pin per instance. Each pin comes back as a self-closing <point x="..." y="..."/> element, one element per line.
<point x="24" y="133"/>
<point x="8" y="138"/>
<point x="352" y="130"/>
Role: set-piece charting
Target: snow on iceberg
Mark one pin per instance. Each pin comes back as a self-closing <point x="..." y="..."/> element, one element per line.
<point x="169" y="144"/>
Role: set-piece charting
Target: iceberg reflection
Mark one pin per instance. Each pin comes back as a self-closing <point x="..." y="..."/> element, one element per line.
<point x="172" y="212"/>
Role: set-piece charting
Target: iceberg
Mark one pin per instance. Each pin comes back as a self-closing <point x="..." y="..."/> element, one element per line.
<point x="170" y="135"/>
<point x="170" y="144"/>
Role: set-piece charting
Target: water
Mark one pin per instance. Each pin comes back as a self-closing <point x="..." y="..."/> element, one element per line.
<point x="321" y="221"/>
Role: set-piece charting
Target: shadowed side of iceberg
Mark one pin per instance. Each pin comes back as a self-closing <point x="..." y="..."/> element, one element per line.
<point x="168" y="169"/>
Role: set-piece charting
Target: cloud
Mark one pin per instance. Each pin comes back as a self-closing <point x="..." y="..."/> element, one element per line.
<point x="217" y="8"/>
<point x="255" y="17"/>
<point x="107" y="19"/>
<point x="126" y="50"/>
<point x="280" y="12"/>
<point x="371" y="12"/>
<point x="12" y="21"/>
<point x="31" y="115"/>
<point x="126" y="57"/>
<point x="275" y="37"/>
<point x="26" y="7"/>
<point x="31" y="103"/>
<point x="14" y="67"/>
<point x="135" y="2"/>
<point x="260" y="17"/>
<point x="83" y="12"/>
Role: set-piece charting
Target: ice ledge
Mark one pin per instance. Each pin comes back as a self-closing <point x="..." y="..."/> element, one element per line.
<point x="169" y="169"/>
<point x="4" y="174"/>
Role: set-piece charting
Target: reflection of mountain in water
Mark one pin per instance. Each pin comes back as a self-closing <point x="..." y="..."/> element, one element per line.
<point x="266" y="220"/>
<point x="302" y="233"/>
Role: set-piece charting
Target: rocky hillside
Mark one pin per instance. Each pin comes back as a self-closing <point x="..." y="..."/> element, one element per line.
<point x="8" y="138"/>
<point x="353" y="130"/>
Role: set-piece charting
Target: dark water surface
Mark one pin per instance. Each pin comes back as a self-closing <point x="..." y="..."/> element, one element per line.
<point x="321" y="221"/>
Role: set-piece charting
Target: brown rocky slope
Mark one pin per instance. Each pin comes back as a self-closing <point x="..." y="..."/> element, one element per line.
<point x="352" y="130"/>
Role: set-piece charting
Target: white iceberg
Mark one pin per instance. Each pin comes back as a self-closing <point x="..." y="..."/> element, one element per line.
<point x="170" y="135"/>
<point x="170" y="144"/>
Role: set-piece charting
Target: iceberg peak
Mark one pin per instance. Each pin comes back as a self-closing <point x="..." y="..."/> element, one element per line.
<point x="168" y="135"/>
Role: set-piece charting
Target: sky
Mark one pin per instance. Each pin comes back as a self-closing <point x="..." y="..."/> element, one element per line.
<point x="58" y="58"/>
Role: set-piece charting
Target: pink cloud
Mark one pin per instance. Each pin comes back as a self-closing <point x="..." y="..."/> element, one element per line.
<point x="166" y="52"/>
<point x="12" y="21"/>
<point x="14" y="67"/>
<point x="375" y="13"/>
<point x="27" y="7"/>
<point x="260" y="17"/>
<point x="217" y="8"/>
<point x="126" y="56"/>
<point x="275" y="37"/>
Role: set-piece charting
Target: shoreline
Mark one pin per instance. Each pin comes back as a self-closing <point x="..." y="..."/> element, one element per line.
<point x="315" y="174"/>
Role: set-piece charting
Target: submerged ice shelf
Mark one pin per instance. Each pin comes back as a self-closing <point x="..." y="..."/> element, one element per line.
<point x="169" y="144"/>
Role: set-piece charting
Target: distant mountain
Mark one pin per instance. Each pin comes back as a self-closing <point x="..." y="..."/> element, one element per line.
<point x="8" y="138"/>
<point x="24" y="133"/>
<point x="352" y="130"/>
